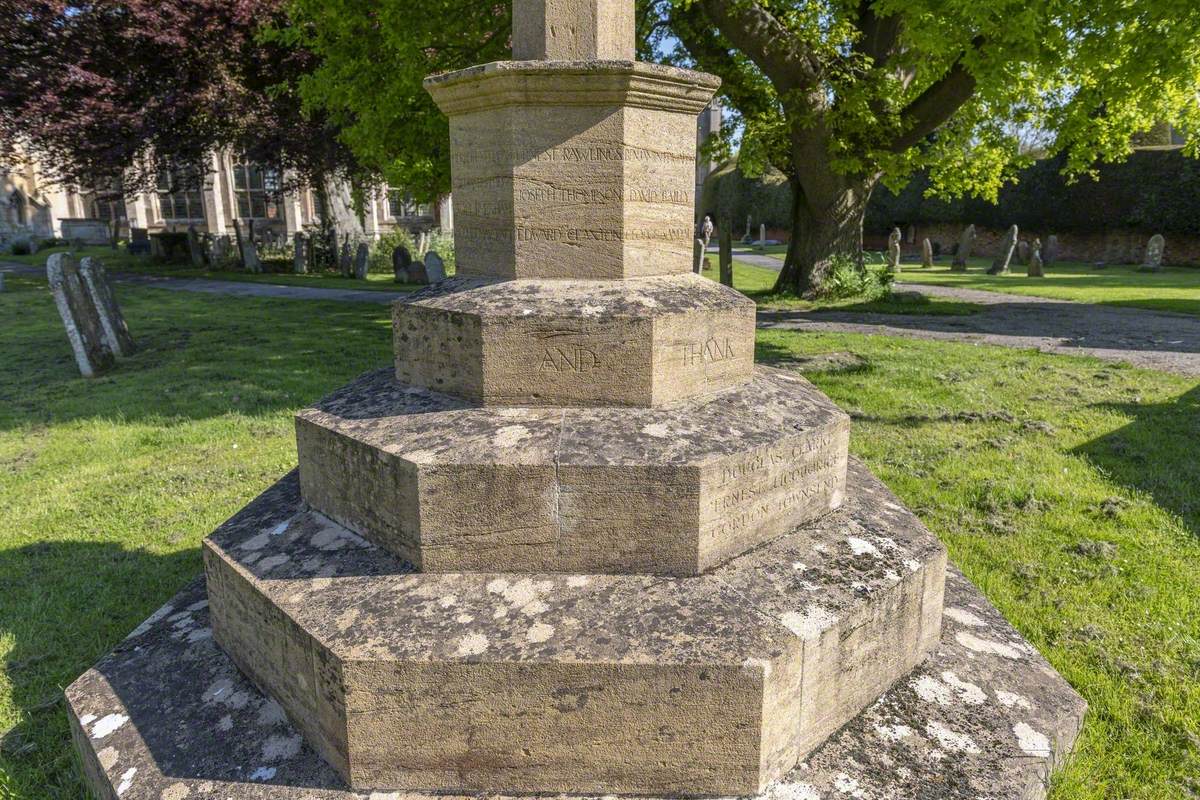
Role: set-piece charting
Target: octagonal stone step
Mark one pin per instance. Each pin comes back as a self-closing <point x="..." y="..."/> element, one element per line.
<point x="710" y="685"/>
<point x="647" y="342"/>
<point x="450" y="486"/>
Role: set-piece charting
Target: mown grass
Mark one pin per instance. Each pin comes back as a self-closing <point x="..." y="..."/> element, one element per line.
<point x="1067" y="488"/>
<point x="1174" y="289"/>
<point x="279" y="270"/>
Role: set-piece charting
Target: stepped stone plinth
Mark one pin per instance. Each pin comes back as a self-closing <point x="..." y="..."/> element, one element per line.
<point x="573" y="542"/>
<point x="645" y="342"/>
<point x="545" y="682"/>
<point x="451" y="486"/>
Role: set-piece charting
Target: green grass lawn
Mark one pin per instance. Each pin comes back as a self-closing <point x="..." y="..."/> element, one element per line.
<point x="121" y="261"/>
<point x="1067" y="488"/>
<point x="1174" y="289"/>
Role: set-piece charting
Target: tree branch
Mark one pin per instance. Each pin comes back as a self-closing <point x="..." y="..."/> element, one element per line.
<point x="932" y="107"/>
<point x="764" y="39"/>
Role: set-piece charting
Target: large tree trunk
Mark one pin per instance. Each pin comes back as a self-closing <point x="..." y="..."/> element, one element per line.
<point x="827" y="222"/>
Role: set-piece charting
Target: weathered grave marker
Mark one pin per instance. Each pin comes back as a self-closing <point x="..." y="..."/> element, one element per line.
<point x="1005" y="253"/>
<point x="926" y="253"/>
<point x="79" y="316"/>
<point x="893" y="262"/>
<point x="435" y="267"/>
<point x="401" y="261"/>
<point x="299" y="264"/>
<point x="362" y="260"/>
<point x="1154" y="252"/>
<point x="112" y="321"/>
<point x="1035" y="260"/>
<point x="966" y="243"/>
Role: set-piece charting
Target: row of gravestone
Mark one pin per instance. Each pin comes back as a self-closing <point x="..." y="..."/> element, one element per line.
<point x="407" y="270"/>
<point x="1031" y="254"/>
<point x="94" y="323"/>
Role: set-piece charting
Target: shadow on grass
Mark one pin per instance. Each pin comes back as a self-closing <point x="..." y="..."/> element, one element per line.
<point x="1156" y="454"/>
<point x="64" y="605"/>
<point x="199" y="356"/>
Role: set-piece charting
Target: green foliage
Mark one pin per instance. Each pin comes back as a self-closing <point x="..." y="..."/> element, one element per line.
<point x="21" y="247"/>
<point x="845" y="279"/>
<point x="1155" y="191"/>
<point x="373" y="57"/>
<point x="967" y="90"/>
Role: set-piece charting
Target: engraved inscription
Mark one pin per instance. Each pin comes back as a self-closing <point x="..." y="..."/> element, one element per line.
<point x="573" y="154"/>
<point x="568" y="359"/>
<point x="709" y="352"/>
<point x="524" y="233"/>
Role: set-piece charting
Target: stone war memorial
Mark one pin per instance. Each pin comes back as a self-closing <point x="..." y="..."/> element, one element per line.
<point x="574" y="542"/>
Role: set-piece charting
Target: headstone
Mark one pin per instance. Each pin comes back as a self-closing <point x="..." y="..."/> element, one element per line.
<point x="220" y="248"/>
<point x="1023" y="252"/>
<point x="1035" y="260"/>
<point x="139" y="241"/>
<point x="762" y="236"/>
<point x="966" y="243"/>
<point x="747" y="227"/>
<point x="926" y="253"/>
<point x="401" y="261"/>
<point x="1005" y="253"/>
<point x="911" y="237"/>
<point x="85" y="232"/>
<point x="250" y="255"/>
<point x="417" y="273"/>
<point x="299" y="264"/>
<point x="195" y="249"/>
<point x="1050" y="251"/>
<point x="893" y="261"/>
<point x="79" y="316"/>
<point x="725" y="246"/>
<point x="310" y="253"/>
<point x="697" y="255"/>
<point x="1154" y="252"/>
<point x="362" y="260"/>
<point x="112" y="321"/>
<point x="346" y="259"/>
<point x="435" y="267"/>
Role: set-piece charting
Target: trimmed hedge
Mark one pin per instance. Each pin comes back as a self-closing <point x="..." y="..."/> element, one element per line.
<point x="766" y="200"/>
<point x="1154" y="191"/>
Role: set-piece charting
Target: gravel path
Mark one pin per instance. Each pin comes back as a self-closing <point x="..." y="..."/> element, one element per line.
<point x="1152" y="339"/>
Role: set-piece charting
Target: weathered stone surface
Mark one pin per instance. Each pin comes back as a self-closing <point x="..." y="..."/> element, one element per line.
<point x="572" y="169"/>
<point x="435" y="267"/>
<point x="645" y="342"/>
<point x="1005" y="253"/>
<point x="112" y="321"/>
<point x="543" y="682"/>
<point x="966" y="243"/>
<point x="1154" y="252"/>
<point x="79" y="315"/>
<point x="167" y="715"/>
<point x="893" y="254"/>
<point x="926" y="253"/>
<point x="573" y="30"/>
<point x="453" y="486"/>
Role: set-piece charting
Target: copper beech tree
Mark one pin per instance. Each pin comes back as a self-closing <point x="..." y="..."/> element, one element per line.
<point x="841" y="94"/>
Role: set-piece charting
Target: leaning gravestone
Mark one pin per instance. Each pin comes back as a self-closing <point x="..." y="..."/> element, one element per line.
<point x="1035" y="260"/>
<point x="79" y="316"/>
<point x="401" y="261"/>
<point x="966" y="243"/>
<point x="926" y="253"/>
<point x="893" y="261"/>
<point x="697" y="256"/>
<point x="1154" y="253"/>
<point x="1005" y="253"/>
<point x="435" y="267"/>
<point x="112" y="321"/>
<point x="299" y="265"/>
<point x="362" y="260"/>
<point x="572" y="540"/>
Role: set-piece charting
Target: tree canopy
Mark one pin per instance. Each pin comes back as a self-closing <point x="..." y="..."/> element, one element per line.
<point x="121" y="88"/>
<point x="841" y="93"/>
<point x="373" y="56"/>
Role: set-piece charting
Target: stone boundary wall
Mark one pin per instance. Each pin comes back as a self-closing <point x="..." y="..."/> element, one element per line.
<point x="1110" y="247"/>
